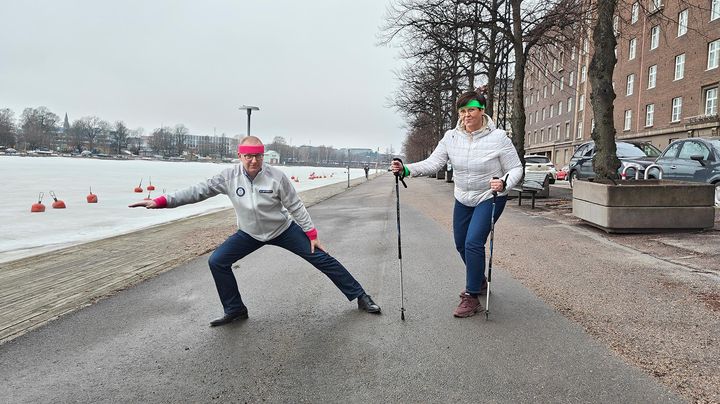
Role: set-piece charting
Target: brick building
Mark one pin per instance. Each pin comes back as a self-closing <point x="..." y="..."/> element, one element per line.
<point x="666" y="80"/>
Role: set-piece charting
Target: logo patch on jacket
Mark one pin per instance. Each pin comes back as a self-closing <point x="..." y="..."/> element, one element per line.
<point x="266" y="191"/>
<point x="240" y="191"/>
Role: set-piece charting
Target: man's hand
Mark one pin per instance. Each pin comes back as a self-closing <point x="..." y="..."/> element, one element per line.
<point x="316" y="243"/>
<point x="147" y="204"/>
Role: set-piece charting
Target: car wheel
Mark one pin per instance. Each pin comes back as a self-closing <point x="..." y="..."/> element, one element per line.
<point x="572" y="178"/>
<point x="552" y="180"/>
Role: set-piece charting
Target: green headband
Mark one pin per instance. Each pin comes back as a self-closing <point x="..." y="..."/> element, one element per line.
<point x="474" y="104"/>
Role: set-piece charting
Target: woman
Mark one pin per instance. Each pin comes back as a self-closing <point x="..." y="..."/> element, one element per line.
<point x="479" y="152"/>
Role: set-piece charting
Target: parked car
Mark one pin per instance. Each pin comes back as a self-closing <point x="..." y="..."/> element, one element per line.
<point x="632" y="154"/>
<point x="693" y="160"/>
<point x="562" y="174"/>
<point x="540" y="163"/>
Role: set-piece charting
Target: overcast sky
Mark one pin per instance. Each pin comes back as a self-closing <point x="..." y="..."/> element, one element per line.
<point x="312" y="66"/>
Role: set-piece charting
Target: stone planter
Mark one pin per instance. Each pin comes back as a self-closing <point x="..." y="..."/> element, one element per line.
<point x="645" y="205"/>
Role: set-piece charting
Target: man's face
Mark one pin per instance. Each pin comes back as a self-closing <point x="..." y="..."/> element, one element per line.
<point x="251" y="162"/>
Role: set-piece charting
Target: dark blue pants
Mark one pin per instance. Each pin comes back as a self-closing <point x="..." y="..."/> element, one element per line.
<point x="471" y="227"/>
<point x="294" y="240"/>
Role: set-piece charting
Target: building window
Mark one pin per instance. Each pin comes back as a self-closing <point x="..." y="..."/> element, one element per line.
<point x="581" y="102"/>
<point x="536" y="117"/>
<point x="567" y="130"/>
<point x="676" y="109"/>
<point x="552" y="110"/>
<point x="554" y="64"/>
<point x="713" y="54"/>
<point x="633" y="49"/>
<point x="630" y="84"/>
<point x="715" y="10"/>
<point x="583" y="74"/>
<point x="679" y="66"/>
<point x="579" y="130"/>
<point x="649" y="114"/>
<point x="586" y="46"/>
<point x="544" y="91"/>
<point x="560" y="108"/>
<point x="654" y="37"/>
<point x="572" y="79"/>
<point x="562" y="83"/>
<point x="569" y="103"/>
<point x="655" y="5"/>
<point x="572" y="53"/>
<point x="543" y="115"/>
<point x="652" y="75"/>
<point x="542" y="135"/>
<point x="635" y="12"/>
<point x="682" y="22"/>
<point x="628" y="119"/>
<point x="711" y="101"/>
<point x="616" y="24"/>
<point x="552" y="88"/>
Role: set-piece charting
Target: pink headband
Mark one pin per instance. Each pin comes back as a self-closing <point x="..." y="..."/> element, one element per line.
<point x="251" y="149"/>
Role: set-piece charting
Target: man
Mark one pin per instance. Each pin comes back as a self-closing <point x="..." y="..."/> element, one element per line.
<point x="268" y="211"/>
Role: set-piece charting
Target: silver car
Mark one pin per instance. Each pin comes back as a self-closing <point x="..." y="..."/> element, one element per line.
<point x="693" y="160"/>
<point x="542" y="164"/>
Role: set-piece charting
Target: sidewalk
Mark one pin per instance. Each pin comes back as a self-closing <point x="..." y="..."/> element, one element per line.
<point x="304" y="342"/>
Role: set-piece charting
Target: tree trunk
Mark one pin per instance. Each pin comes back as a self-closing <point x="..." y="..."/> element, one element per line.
<point x="602" y="65"/>
<point x="517" y="120"/>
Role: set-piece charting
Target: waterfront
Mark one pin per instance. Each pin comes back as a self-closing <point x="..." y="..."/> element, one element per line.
<point x="113" y="181"/>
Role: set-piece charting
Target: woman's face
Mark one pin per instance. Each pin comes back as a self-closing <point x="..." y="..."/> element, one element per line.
<point x="471" y="117"/>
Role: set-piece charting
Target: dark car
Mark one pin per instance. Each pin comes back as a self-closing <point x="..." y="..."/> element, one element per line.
<point x="693" y="160"/>
<point x="633" y="155"/>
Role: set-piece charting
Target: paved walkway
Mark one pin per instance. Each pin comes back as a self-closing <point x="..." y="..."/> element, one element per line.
<point x="303" y="342"/>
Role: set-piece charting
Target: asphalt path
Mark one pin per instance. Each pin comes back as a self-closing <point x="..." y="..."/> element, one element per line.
<point x="305" y="342"/>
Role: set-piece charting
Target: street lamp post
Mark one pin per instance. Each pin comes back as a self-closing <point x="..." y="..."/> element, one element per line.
<point x="250" y="109"/>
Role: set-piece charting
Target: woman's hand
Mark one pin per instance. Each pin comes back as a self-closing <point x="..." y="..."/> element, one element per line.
<point x="396" y="166"/>
<point x="497" y="185"/>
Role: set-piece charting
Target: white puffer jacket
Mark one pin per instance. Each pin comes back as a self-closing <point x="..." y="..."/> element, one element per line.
<point x="476" y="158"/>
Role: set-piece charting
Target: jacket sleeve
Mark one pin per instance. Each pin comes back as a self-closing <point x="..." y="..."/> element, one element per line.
<point x="199" y="192"/>
<point x="510" y="163"/>
<point x="432" y="164"/>
<point x="292" y="202"/>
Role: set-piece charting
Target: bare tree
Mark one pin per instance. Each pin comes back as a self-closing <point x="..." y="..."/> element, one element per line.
<point x="8" y="128"/>
<point x="602" y="65"/>
<point x="119" y="135"/>
<point x="93" y="130"/>
<point x="161" y="141"/>
<point x="180" y="136"/>
<point x="39" y="127"/>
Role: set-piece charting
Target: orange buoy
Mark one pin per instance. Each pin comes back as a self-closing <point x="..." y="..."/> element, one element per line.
<point x="150" y="187"/>
<point x="292" y="177"/>
<point x="58" y="204"/>
<point x="139" y="187"/>
<point x="38" y="207"/>
<point x="91" y="198"/>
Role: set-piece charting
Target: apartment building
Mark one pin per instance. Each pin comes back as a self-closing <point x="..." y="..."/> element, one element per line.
<point x="666" y="80"/>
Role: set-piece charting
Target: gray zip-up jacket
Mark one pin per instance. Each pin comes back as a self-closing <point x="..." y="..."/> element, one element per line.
<point x="265" y="206"/>
<point x="476" y="158"/>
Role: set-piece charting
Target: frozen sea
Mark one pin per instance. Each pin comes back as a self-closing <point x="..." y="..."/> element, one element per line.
<point x="23" y="233"/>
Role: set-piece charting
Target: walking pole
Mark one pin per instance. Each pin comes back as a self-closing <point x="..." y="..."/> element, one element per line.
<point x="402" y="291"/>
<point x="492" y="237"/>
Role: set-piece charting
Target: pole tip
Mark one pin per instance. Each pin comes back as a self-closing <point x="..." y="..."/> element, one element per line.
<point x="402" y="316"/>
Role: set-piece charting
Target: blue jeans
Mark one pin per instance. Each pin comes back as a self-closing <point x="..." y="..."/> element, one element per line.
<point x="471" y="227"/>
<point x="294" y="240"/>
